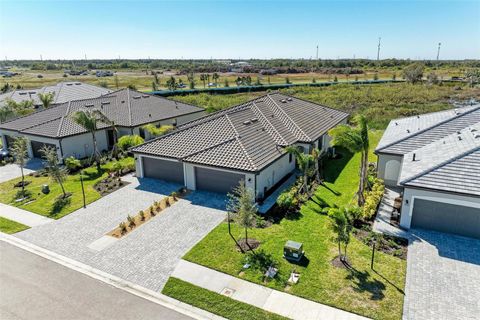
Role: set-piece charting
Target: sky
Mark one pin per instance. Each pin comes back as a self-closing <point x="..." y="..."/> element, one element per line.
<point x="238" y="29"/>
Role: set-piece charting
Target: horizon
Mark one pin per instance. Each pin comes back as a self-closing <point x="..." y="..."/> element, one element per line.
<point x="218" y="30"/>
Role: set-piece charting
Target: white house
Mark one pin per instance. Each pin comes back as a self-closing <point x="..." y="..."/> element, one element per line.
<point x="246" y="142"/>
<point x="435" y="159"/>
<point x="128" y="109"/>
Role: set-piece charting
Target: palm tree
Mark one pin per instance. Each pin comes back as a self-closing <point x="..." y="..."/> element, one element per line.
<point x="89" y="120"/>
<point x="303" y="162"/>
<point x="46" y="99"/>
<point x="55" y="171"/>
<point x="316" y="155"/>
<point x="5" y="113"/>
<point x="203" y="78"/>
<point x="355" y="139"/>
<point x="20" y="153"/>
<point x="215" y="78"/>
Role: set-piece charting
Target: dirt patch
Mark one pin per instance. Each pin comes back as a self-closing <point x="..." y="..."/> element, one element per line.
<point x="19" y="184"/>
<point x="252" y="244"/>
<point x="337" y="263"/>
<point x="109" y="185"/>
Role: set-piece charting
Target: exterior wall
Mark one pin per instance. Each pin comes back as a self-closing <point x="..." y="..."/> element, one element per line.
<point x="410" y="194"/>
<point x="388" y="168"/>
<point x="81" y="146"/>
<point x="272" y="174"/>
<point x="189" y="172"/>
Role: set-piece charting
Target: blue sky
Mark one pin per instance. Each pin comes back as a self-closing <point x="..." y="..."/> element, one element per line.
<point x="238" y="29"/>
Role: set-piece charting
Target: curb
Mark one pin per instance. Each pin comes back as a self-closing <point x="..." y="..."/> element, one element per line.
<point x="114" y="281"/>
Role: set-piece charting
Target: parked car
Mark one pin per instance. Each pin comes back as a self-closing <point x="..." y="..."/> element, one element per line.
<point x="4" y="153"/>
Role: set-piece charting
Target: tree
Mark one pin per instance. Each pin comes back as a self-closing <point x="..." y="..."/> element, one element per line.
<point x="21" y="108"/>
<point x="56" y="172"/>
<point x="6" y="112"/>
<point x="316" y="155"/>
<point x="355" y="139"/>
<point x="413" y="73"/>
<point x="154" y="86"/>
<point x="303" y="162"/>
<point x="191" y="80"/>
<point x="90" y="120"/>
<point x="342" y="228"/>
<point x="432" y="78"/>
<point x="473" y="76"/>
<point x="203" y="78"/>
<point x="226" y="84"/>
<point x="241" y="205"/>
<point x="46" y="99"/>
<point x="171" y="83"/>
<point x="20" y="154"/>
<point x="116" y="81"/>
<point x="215" y="78"/>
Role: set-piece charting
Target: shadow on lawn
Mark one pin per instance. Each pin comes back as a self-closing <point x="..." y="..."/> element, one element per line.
<point x="333" y="167"/>
<point x="364" y="282"/>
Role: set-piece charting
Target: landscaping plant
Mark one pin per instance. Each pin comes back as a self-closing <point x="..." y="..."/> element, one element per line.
<point x="20" y="154"/>
<point x="126" y="142"/>
<point x="56" y="172"/>
<point x="46" y="99"/>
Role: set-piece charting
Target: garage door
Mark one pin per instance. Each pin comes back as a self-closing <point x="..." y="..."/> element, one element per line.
<point x="446" y="217"/>
<point x="37" y="146"/>
<point x="163" y="169"/>
<point x="216" y="180"/>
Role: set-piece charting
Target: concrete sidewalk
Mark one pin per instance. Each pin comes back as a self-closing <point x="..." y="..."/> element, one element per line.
<point x="23" y="216"/>
<point x="278" y="302"/>
<point x="384" y="213"/>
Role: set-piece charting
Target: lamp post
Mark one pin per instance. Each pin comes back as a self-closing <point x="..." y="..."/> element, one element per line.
<point x="373" y="252"/>
<point x="83" y="190"/>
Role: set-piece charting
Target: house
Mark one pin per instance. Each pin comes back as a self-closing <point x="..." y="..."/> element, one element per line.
<point x="245" y="142"/>
<point x="63" y="92"/>
<point x="435" y="159"/>
<point x="128" y="109"/>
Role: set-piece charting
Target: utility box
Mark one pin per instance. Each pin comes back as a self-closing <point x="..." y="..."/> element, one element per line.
<point x="293" y="251"/>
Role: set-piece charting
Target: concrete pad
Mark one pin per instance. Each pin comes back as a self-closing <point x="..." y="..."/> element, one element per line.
<point x="249" y="292"/>
<point x="102" y="243"/>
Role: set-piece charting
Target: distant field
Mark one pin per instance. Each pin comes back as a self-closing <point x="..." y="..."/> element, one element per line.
<point x="142" y="80"/>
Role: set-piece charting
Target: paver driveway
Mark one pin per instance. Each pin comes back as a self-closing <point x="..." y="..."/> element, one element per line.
<point x="12" y="171"/>
<point x="149" y="254"/>
<point x="443" y="277"/>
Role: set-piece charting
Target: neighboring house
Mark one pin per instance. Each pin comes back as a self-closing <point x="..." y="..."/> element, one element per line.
<point x="435" y="158"/>
<point x="128" y="109"/>
<point x="246" y="142"/>
<point x="63" y="92"/>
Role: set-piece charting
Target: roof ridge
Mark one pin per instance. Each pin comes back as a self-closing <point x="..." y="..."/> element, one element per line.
<point x="444" y="163"/>
<point x="237" y="136"/>
<point x="129" y="108"/>
<point x="257" y="111"/>
<point x="277" y="107"/>
<point x="67" y="112"/>
<point x="429" y="128"/>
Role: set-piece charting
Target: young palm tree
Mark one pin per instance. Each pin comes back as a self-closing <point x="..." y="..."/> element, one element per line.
<point x="20" y="153"/>
<point x="89" y="120"/>
<point x="215" y="78"/>
<point x="46" y="99"/>
<point x="303" y="162"/>
<point x="355" y="139"/>
<point x="6" y="112"/>
<point x="56" y="172"/>
<point x="316" y="155"/>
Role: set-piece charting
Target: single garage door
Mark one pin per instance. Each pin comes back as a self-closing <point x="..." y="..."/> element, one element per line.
<point x="37" y="146"/>
<point x="163" y="169"/>
<point x="216" y="180"/>
<point x="446" y="217"/>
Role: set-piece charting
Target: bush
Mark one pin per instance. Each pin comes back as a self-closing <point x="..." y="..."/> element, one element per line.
<point x="287" y="201"/>
<point x="126" y="142"/>
<point x="131" y="221"/>
<point x="73" y="164"/>
<point x="123" y="227"/>
<point x="372" y="199"/>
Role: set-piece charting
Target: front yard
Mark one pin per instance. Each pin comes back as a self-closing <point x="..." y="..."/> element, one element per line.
<point x="45" y="204"/>
<point x="8" y="226"/>
<point x="377" y="294"/>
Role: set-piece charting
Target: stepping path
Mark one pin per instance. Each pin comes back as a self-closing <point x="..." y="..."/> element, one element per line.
<point x="23" y="216"/>
<point x="275" y="301"/>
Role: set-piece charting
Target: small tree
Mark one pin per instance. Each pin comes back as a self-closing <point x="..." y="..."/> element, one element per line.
<point x="20" y="153"/>
<point x="316" y="155"/>
<point x="154" y="86"/>
<point x="6" y="112"/>
<point x="342" y="228"/>
<point x="226" y="84"/>
<point x="203" y="78"/>
<point x="46" y="99"/>
<point x="241" y="205"/>
<point x="215" y="78"/>
<point x="473" y="76"/>
<point x="115" y="79"/>
<point x="171" y="83"/>
<point x="303" y="162"/>
<point x="375" y="76"/>
<point x="413" y="73"/>
<point x="56" y="172"/>
<point x="287" y="80"/>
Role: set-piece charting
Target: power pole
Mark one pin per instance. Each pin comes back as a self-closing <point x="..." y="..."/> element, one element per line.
<point x="41" y="58"/>
<point x="378" y="50"/>
<point x="317" y="51"/>
<point x="438" y="51"/>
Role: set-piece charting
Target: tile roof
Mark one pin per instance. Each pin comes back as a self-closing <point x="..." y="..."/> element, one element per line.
<point x="405" y="135"/>
<point x="64" y="92"/>
<point x="126" y="108"/>
<point x="246" y="137"/>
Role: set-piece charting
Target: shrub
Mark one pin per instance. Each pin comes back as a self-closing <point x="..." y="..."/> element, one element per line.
<point x="286" y="200"/>
<point x="126" y="142"/>
<point x="123" y="227"/>
<point x="174" y="195"/>
<point x="260" y="260"/>
<point x="372" y="199"/>
<point x="142" y="215"/>
<point x="131" y="221"/>
<point x="73" y="164"/>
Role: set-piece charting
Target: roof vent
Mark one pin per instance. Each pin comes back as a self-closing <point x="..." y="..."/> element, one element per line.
<point x="78" y="83"/>
<point x="123" y="101"/>
<point x="474" y="130"/>
<point x="408" y="130"/>
<point x="459" y="132"/>
<point x="32" y="92"/>
<point x="254" y="120"/>
<point x="89" y="105"/>
<point x="460" y="138"/>
<point x="136" y="97"/>
<point x="69" y="84"/>
<point x="146" y="96"/>
<point x="477" y="136"/>
<point x="247" y="122"/>
<point x="150" y="115"/>
<point x="105" y="102"/>
<point x="22" y="93"/>
<point x="414" y="158"/>
<point x="418" y="117"/>
<point x="283" y="101"/>
<point x="396" y="123"/>
<point x="289" y="99"/>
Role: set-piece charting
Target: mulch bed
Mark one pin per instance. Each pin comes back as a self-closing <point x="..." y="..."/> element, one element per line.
<point x="337" y="263"/>
<point x="395" y="246"/>
<point x="19" y="184"/>
<point x="252" y="244"/>
<point x="109" y="185"/>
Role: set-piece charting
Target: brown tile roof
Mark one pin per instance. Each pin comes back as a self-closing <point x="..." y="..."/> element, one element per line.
<point x="126" y="108"/>
<point x="246" y="137"/>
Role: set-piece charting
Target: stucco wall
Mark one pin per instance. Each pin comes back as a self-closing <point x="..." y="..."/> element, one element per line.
<point x="81" y="146"/>
<point x="272" y="174"/>
<point x="410" y="194"/>
<point x="389" y="167"/>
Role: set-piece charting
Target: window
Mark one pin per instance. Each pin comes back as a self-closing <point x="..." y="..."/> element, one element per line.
<point x="290" y="158"/>
<point x="320" y="143"/>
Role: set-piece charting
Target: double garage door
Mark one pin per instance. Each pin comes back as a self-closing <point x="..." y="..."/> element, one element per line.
<point x="205" y="179"/>
<point x="37" y="146"/>
<point x="444" y="217"/>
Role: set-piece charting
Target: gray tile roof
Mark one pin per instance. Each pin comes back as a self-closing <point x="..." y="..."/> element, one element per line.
<point x="126" y="108"/>
<point x="449" y="164"/>
<point x="405" y="135"/>
<point x="246" y="137"/>
<point x="64" y="92"/>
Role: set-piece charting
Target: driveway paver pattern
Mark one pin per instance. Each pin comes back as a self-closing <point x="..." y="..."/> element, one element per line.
<point x="12" y="171"/>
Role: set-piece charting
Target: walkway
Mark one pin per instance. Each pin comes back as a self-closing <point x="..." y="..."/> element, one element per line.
<point x="12" y="171"/>
<point x="268" y="299"/>
<point x="272" y="199"/>
<point x="382" y="220"/>
<point x="23" y="216"/>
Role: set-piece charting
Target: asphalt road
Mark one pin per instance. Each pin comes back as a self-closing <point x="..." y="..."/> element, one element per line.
<point x="32" y="287"/>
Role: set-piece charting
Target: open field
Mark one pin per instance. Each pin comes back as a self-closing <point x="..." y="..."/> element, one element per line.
<point x="142" y="79"/>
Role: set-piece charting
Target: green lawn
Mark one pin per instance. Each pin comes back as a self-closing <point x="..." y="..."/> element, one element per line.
<point x="43" y="204"/>
<point x="9" y="226"/>
<point x="377" y="294"/>
<point x="214" y="302"/>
